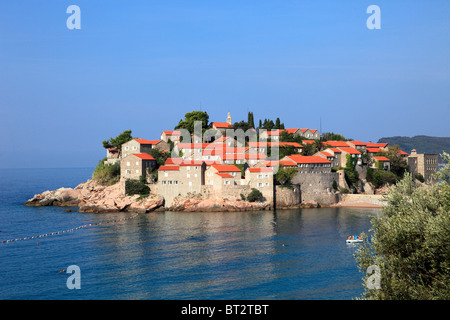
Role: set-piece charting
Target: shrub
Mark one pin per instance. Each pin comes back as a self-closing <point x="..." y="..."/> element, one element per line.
<point x="133" y="187"/>
<point x="419" y="177"/>
<point x="106" y="174"/>
<point x="334" y="185"/>
<point x="255" y="195"/>
<point x="382" y="177"/>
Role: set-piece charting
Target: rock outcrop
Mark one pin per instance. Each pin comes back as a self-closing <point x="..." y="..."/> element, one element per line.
<point x="196" y="202"/>
<point x="92" y="197"/>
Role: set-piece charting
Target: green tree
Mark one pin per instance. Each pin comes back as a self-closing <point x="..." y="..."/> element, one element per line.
<point x="251" y="120"/>
<point x="255" y="196"/>
<point x="118" y="141"/>
<point x="410" y="244"/>
<point x="285" y="175"/>
<point x="333" y="137"/>
<point x="190" y="118"/>
<point x="398" y="164"/>
<point x="133" y="187"/>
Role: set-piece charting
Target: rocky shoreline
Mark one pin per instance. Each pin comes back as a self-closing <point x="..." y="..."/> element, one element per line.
<point x="95" y="198"/>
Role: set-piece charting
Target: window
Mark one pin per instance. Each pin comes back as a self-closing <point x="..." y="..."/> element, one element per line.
<point x="188" y="168"/>
<point x="137" y="163"/>
<point x="164" y="182"/>
<point x="190" y="183"/>
<point x="166" y="174"/>
<point x="137" y="171"/>
<point x="127" y="148"/>
<point x="128" y="163"/>
<point x="128" y="171"/>
<point x="260" y="176"/>
<point x="134" y="148"/>
<point x="175" y="182"/>
<point x="260" y="184"/>
<point x="226" y="182"/>
<point x="188" y="175"/>
<point x="170" y="181"/>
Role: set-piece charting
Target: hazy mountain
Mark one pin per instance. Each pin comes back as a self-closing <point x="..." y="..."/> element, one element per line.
<point x="423" y="144"/>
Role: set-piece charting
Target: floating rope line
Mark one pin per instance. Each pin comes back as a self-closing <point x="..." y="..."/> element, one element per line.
<point x="70" y="230"/>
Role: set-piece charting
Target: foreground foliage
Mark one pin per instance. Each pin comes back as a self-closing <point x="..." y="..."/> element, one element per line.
<point x="411" y="242"/>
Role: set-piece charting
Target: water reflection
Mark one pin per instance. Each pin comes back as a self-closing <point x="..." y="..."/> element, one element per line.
<point x="288" y="254"/>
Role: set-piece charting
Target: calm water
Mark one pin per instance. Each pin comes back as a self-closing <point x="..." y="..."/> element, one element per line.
<point x="293" y="254"/>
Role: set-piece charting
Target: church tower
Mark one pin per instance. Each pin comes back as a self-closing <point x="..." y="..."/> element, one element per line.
<point x="229" y="118"/>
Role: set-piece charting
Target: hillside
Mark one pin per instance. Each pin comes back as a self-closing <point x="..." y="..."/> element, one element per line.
<point x="423" y="144"/>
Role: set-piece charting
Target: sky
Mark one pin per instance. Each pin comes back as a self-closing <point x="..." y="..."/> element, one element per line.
<point x="142" y="65"/>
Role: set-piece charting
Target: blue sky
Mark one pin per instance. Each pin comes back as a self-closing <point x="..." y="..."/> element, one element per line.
<point x="141" y="65"/>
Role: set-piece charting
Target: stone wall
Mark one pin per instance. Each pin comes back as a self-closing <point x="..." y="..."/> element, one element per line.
<point x="315" y="182"/>
<point x="288" y="196"/>
<point x="362" y="199"/>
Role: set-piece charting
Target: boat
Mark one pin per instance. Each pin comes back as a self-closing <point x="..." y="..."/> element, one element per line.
<point x="353" y="239"/>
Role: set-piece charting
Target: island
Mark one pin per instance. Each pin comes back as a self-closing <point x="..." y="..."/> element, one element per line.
<point x="226" y="166"/>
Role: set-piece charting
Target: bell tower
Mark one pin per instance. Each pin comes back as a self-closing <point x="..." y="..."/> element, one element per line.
<point x="229" y="118"/>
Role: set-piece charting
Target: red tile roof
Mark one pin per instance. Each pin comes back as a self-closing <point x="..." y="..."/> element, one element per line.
<point x="358" y="143"/>
<point x="350" y="150"/>
<point x="373" y="150"/>
<point x="381" y="158"/>
<point x="326" y="154"/>
<point x="113" y="150"/>
<point x="143" y="141"/>
<point x="172" y="133"/>
<point x="335" y="150"/>
<point x="308" y="141"/>
<point x="376" y="145"/>
<point x="143" y="156"/>
<point x="260" y="169"/>
<point x="170" y="161"/>
<point x="224" y="175"/>
<point x="226" y="168"/>
<point x="335" y="144"/>
<point x="188" y="163"/>
<point x="169" y="168"/>
<point x="221" y="125"/>
<point x="307" y="159"/>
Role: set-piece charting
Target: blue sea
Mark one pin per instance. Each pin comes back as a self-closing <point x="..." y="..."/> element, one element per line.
<point x="282" y="255"/>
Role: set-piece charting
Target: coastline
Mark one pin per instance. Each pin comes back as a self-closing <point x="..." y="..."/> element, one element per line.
<point x="94" y="198"/>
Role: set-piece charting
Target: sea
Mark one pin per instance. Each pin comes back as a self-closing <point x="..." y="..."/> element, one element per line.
<point x="259" y="255"/>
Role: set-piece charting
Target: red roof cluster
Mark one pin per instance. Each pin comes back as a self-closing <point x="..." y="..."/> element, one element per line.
<point x="143" y="156"/>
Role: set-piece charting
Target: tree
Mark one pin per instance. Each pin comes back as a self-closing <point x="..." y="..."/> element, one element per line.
<point x="333" y="137"/>
<point x="160" y="156"/>
<point x="255" y="195"/>
<point x="118" y="141"/>
<point x="410" y="244"/>
<point x="190" y="118"/>
<point x="398" y="165"/>
<point x="251" y="120"/>
<point x="285" y="175"/>
<point x="242" y="125"/>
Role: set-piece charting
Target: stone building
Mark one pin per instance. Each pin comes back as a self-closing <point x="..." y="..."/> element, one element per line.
<point x="135" y="165"/>
<point x="425" y="164"/>
<point x="173" y="136"/>
<point x="381" y="163"/>
<point x="143" y="146"/>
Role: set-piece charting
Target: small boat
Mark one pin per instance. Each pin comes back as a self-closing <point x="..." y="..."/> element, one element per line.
<point x="354" y="239"/>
